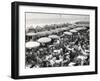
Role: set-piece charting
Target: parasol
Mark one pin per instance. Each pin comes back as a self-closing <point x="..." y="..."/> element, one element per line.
<point x="54" y="31"/>
<point x="31" y="34"/>
<point x="32" y="44"/>
<point x="73" y="31"/>
<point x="68" y="33"/>
<point x="44" y="40"/>
<point x="65" y="28"/>
<point x="54" y="36"/>
<point x="81" y="28"/>
<point x="43" y="33"/>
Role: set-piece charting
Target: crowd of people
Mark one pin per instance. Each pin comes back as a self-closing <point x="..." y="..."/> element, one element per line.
<point x="66" y="50"/>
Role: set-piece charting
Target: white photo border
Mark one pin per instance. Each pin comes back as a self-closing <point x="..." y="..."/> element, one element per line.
<point x="56" y="70"/>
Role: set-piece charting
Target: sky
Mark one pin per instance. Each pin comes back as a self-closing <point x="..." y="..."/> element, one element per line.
<point x="41" y="19"/>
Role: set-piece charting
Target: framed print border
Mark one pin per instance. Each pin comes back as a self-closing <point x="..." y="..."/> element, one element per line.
<point x="15" y="39"/>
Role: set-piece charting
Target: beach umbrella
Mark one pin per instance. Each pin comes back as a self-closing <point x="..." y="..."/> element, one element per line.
<point x="43" y="33"/>
<point x="32" y="44"/>
<point x="54" y="36"/>
<point x="78" y="28"/>
<point x="67" y="33"/>
<point x="81" y="28"/>
<point x="48" y="32"/>
<point x="44" y="40"/>
<point x="31" y="34"/>
<point x="73" y="31"/>
<point x="59" y="29"/>
<point x="64" y="28"/>
<point x="54" y="31"/>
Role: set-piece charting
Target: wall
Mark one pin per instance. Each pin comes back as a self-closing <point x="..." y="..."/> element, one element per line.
<point x="5" y="39"/>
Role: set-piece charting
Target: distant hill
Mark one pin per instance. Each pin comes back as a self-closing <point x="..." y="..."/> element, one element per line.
<point x="82" y="23"/>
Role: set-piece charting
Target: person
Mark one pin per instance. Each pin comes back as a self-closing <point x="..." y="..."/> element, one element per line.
<point x="58" y="42"/>
<point x="44" y="62"/>
<point x="52" y="61"/>
<point x="33" y="64"/>
<point x="66" y="60"/>
<point x="57" y="61"/>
